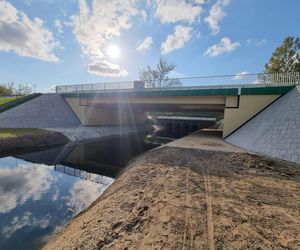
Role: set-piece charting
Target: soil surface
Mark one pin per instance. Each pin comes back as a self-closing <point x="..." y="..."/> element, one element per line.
<point x="27" y="142"/>
<point x="182" y="198"/>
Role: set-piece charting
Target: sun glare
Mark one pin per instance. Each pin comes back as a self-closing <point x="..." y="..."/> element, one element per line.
<point x="113" y="51"/>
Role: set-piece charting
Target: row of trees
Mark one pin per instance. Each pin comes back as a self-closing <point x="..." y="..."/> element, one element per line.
<point x="11" y="89"/>
<point x="285" y="59"/>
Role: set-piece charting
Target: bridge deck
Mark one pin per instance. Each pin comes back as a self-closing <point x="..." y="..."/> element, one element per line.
<point x="185" y="91"/>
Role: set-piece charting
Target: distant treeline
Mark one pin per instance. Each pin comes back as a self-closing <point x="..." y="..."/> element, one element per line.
<point x="11" y="89"/>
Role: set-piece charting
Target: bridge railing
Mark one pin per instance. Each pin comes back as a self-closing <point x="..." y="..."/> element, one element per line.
<point x="223" y="81"/>
<point x="100" y="179"/>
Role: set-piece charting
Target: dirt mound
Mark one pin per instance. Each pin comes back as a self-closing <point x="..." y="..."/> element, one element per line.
<point x="175" y="198"/>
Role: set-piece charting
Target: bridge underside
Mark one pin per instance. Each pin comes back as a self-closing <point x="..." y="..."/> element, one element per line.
<point x="116" y="111"/>
<point x="238" y="106"/>
<point x="133" y="107"/>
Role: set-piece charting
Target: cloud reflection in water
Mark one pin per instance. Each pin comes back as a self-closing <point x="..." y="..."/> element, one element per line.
<point x="22" y="183"/>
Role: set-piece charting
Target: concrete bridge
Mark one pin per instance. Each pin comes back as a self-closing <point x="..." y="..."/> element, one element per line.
<point x="261" y="114"/>
<point x="129" y="102"/>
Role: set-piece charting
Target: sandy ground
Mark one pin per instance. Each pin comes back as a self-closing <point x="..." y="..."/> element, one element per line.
<point x="190" y="198"/>
<point x="206" y="139"/>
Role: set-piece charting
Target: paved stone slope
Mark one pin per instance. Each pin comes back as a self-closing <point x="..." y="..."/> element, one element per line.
<point x="275" y="131"/>
<point x="45" y="111"/>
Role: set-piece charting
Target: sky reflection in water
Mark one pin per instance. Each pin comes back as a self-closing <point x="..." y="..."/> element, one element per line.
<point x="35" y="200"/>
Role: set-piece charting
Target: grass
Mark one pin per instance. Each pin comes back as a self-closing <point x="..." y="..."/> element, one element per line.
<point x="15" y="132"/>
<point x="6" y="99"/>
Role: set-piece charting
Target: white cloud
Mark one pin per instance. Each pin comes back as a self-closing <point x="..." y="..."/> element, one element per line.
<point x="240" y="75"/>
<point x="52" y="88"/>
<point x="200" y="1"/>
<point x="145" y="44"/>
<point x="171" y="11"/>
<point x="257" y="43"/>
<point x="58" y="25"/>
<point x="216" y="14"/>
<point x="177" y="40"/>
<point x="24" y="36"/>
<point x="95" y="27"/>
<point x="225" y="45"/>
<point x="105" y="68"/>
<point x="261" y="42"/>
<point x="25" y="221"/>
<point x="16" y="185"/>
<point x="83" y="193"/>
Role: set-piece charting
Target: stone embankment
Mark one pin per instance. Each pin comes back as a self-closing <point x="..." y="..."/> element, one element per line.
<point x="274" y="131"/>
<point x="30" y="141"/>
<point x="189" y="196"/>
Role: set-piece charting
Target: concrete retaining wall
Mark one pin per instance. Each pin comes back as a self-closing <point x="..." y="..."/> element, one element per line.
<point x="51" y="112"/>
<point x="275" y="131"/>
<point x="249" y="106"/>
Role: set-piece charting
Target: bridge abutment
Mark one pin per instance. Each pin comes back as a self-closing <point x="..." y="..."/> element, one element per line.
<point x="102" y="114"/>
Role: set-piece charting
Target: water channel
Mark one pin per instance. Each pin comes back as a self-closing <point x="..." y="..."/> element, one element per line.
<point x="42" y="190"/>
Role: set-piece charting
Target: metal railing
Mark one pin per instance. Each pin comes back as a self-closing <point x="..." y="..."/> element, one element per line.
<point x="100" y="179"/>
<point x="221" y="81"/>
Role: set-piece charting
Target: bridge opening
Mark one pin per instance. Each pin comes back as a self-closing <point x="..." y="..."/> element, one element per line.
<point x="176" y="125"/>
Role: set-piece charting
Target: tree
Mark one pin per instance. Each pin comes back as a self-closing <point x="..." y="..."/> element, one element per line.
<point x="286" y="58"/>
<point x="25" y="89"/>
<point x="11" y="87"/>
<point x="158" y="77"/>
<point x="4" y="90"/>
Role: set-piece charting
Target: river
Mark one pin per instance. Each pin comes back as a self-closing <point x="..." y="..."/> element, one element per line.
<point x="42" y="190"/>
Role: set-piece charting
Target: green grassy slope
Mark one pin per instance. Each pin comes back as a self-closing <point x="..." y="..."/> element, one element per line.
<point x="6" y="99"/>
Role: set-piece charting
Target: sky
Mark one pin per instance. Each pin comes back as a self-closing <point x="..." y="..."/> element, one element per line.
<point x="56" y="42"/>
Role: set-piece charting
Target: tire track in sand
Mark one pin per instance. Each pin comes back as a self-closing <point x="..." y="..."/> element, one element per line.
<point x="186" y="210"/>
<point x="210" y="224"/>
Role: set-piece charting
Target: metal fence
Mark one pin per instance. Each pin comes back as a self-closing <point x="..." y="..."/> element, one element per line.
<point x="100" y="179"/>
<point x="222" y="81"/>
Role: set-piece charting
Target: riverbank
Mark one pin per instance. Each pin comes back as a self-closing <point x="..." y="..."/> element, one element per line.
<point x="178" y="197"/>
<point x="23" y="140"/>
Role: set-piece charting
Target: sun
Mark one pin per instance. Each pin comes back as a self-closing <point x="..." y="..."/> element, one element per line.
<point x="113" y="51"/>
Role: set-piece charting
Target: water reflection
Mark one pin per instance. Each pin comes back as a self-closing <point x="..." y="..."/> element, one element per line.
<point x="35" y="200"/>
<point x="104" y="157"/>
<point x="17" y="187"/>
<point x="41" y="191"/>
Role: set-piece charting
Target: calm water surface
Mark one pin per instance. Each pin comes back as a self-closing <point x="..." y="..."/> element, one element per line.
<point x="41" y="191"/>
